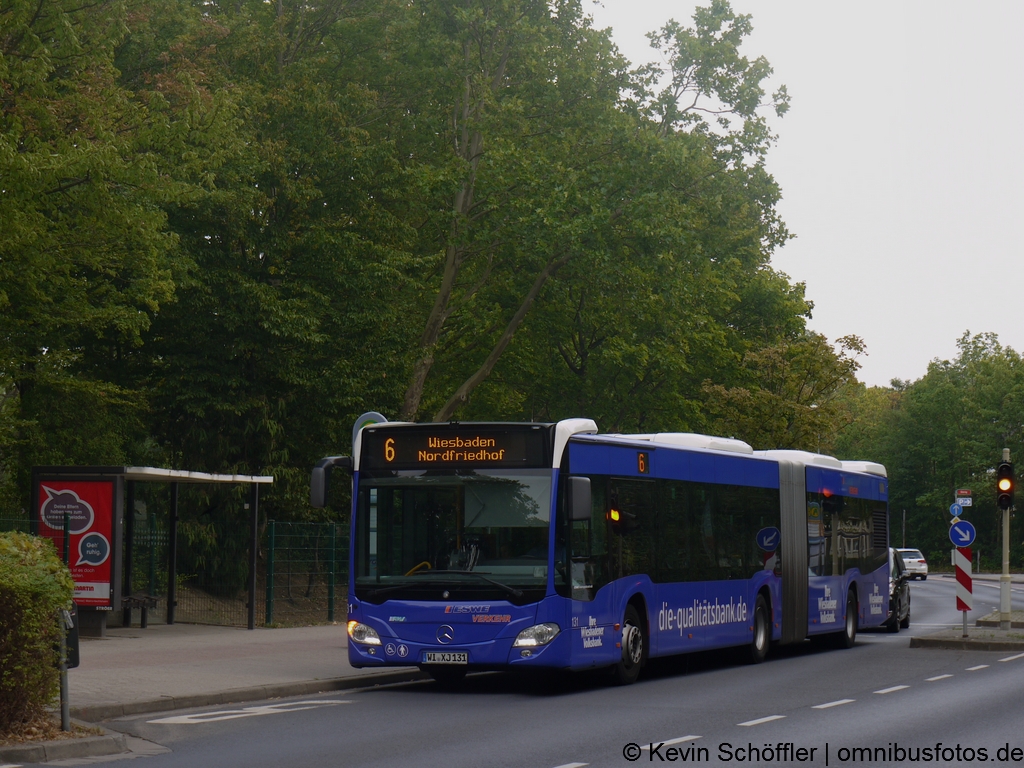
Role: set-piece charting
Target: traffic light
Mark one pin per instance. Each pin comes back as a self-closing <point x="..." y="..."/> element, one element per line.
<point x="622" y="521"/>
<point x="1004" y="485"/>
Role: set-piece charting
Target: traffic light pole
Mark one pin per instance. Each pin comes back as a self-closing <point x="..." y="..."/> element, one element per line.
<point x="1004" y="579"/>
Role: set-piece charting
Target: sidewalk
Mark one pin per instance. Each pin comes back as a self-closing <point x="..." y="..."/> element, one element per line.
<point x="164" y="667"/>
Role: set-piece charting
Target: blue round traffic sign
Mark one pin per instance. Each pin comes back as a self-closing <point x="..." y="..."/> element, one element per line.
<point x="955" y="510"/>
<point x="962" y="533"/>
<point x="768" y="539"/>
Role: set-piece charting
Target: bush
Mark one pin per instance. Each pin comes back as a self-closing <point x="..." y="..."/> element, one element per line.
<point x="34" y="586"/>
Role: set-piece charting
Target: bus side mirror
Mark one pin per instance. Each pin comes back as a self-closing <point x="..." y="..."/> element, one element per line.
<point x="320" y="480"/>
<point x="579" y="498"/>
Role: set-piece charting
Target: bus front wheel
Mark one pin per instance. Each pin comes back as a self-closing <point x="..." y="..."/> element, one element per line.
<point x="634" y="648"/>
<point x="762" y="632"/>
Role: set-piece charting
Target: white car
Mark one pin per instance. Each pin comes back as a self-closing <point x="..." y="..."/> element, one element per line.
<point x="917" y="566"/>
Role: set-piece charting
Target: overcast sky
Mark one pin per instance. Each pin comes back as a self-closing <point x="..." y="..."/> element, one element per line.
<point x="900" y="163"/>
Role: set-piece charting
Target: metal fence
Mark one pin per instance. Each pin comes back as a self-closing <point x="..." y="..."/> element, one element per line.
<point x="303" y="564"/>
<point x="302" y="568"/>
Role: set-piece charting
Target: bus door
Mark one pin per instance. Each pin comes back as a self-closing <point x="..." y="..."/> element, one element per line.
<point x="591" y="619"/>
<point x="826" y="585"/>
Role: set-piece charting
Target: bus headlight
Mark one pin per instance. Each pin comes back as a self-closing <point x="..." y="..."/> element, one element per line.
<point x="538" y="634"/>
<point x="361" y="633"/>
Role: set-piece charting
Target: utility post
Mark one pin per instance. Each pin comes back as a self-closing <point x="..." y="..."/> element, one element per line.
<point x="1004" y="498"/>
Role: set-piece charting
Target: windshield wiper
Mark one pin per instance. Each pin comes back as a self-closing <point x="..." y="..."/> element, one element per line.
<point x="517" y="593"/>
<point x="511" y="590"/>
<point x="385" y="590"/>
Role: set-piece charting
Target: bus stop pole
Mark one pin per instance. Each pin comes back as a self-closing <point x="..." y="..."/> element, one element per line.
<point x="172" y="554"/>
<point x="129" y="547"/>
<point x="254" y="531"/>
<point x="65" y="701"/>
<point x="65" y="706"/>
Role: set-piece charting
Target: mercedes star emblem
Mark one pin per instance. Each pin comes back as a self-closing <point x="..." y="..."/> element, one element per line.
<point x="445" y="634"/>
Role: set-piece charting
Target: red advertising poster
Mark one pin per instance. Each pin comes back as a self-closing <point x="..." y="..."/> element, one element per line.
<point x="90" y="505"/>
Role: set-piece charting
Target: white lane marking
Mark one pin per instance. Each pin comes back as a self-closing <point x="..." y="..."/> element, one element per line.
<point x="11" y="765"/>
<point x="670" y="742"/>
<point x="978" y="583"/>
<point x="938" y="677"/>
<point x="833" y="704"/>
<point x="975" y="669"/>
<point x="572" y="765"/>
<point x="1013" y="658"/>
<point x="234" y="714"/>
<point x="763" y="720"/>
<point x="894" y="688"/>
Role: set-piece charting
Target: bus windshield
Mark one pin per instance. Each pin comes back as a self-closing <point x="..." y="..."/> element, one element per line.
<point x="480" y="532"/>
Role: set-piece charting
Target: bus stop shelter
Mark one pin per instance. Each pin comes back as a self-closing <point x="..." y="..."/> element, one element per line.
<point x="85" y="509"/>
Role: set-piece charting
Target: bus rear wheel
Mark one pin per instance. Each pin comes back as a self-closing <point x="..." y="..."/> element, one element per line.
<point x="634" y="648"/>
<point x="895" y="624"/>
<point x="762" y="632"/>
<point x="848" y="636"/>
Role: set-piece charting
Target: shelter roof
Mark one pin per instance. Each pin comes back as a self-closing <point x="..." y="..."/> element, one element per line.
<point x="153" y="474"/>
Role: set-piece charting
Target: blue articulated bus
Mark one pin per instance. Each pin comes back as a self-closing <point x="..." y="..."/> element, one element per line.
<point x="479" y="546"/>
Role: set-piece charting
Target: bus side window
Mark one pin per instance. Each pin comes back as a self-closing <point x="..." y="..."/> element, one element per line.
<point x="633" y="549"/>
<point x="674" y="534"/>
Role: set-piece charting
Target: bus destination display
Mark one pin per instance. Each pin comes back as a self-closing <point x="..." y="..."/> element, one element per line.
<point x="408" y="449"/>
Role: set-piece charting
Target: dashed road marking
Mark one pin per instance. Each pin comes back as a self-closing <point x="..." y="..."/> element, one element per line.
<point x="234" y="714"/>
<point x="975" y="669"/>
<point x="833" y="704"/>
<point x="762" y="720"/>
<point x="1013" y="658"/>
<point x="937" y="677"/>
<point x="893" y="689"/>
<point x="670" y="742"/>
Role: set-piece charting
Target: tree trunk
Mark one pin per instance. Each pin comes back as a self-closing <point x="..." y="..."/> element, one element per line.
<point x="463" y="392"/>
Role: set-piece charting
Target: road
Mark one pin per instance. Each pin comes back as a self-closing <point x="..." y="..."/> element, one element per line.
<point x="881" y="696"/>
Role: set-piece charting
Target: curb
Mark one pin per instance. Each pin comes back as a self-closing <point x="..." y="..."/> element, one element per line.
<point x="42" y="752"/>
<point x="966" y="645"/>
<point x="100" y="712"/>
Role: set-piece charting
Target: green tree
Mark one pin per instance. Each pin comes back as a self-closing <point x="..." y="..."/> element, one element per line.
<point x="569" y="170"/>
<point x="792" y="394"/>
<point x="943" y="432"/>
<point x="84" y="244"/>
<point x="288" y="255"/>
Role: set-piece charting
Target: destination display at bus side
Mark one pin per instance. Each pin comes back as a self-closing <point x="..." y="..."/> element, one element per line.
<point x="441" y="449"/>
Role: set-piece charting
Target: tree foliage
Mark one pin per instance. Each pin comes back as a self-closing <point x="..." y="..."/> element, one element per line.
<point x="230" y="227"/>
<point x="943" y="432"/>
